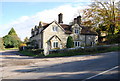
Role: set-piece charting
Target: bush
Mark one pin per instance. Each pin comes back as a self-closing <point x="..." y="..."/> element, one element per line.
<point x="11" y="40"/>
<point x="111" y="39"/>
<point x="22" y="46"/>
<point x="1" y="44"/>
<point x="33" y="52"/>
<point x="34" y="44"/>
<point x="37" y="51"/>
<point x="70" y="43"/>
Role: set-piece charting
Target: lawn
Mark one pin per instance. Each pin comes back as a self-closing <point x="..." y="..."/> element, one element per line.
<point x="32" y="52"/>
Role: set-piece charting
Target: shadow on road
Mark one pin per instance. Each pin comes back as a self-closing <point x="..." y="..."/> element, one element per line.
<point x="76" y="69"/>
<point x="13" y="54"/>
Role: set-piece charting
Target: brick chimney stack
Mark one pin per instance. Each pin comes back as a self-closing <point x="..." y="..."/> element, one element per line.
<point x="79" y="20"/>
<point x="60" y="18"/>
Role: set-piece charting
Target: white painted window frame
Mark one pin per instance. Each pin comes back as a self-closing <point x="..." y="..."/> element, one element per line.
<point x="55" y="44"/>
<point x="55" y="28"/>
<point x="77" y="43"/>
<point x="77" y="31"/>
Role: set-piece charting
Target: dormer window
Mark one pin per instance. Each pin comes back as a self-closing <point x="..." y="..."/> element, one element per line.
<point x="55" y="28"/>
<point x="76" y="31"/>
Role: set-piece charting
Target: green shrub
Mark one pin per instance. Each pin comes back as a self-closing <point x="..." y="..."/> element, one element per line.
<point x="70" y="43"/>
<point x="37" y="51"/>
<point x="111" y="39"/>
<point x="11" y="40"/>
<point x="33" y="52"/>
<point x="1" y="44"/>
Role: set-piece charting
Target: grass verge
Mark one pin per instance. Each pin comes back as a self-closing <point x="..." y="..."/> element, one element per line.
<point x="32" y="52"/>
<point x="64" y="53"/>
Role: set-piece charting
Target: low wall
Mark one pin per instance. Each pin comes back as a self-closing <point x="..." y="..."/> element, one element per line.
<point x="88" y="47"/>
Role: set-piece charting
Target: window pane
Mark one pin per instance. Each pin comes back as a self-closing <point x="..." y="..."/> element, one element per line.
<point x="78" y="43"/>
<point x="76" y="31"/>
<point x="55" y="28"/>
<point x="56" y="44"/>
<point x="75" y="43"/>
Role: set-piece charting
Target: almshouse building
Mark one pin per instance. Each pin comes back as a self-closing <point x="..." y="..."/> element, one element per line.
<point x="54" y="35"/>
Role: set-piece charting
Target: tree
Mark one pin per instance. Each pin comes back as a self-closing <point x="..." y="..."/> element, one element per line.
<point x="26" y="40"/>
<point x="69" y="42"/>
<point x="104" y="13"/>
<point x="12" y="32"/>
<point x="34" y="44"/>
<point x="1" y="43"/>
<point x="11" y="40"/>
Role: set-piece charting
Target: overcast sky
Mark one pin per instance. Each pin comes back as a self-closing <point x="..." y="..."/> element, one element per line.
<point x="25" y="14"/>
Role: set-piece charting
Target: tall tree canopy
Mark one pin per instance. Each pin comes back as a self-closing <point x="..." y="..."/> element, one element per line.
<point x="105" y="13"/>
<point x="12" y="32"/>
<point x="26" y="40"/>
<point x="11" y="40"/>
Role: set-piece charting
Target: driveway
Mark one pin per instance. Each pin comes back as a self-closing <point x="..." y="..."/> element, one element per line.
<point x="99" y="66"/>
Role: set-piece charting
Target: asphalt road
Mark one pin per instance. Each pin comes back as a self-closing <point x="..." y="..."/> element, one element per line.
<point x="105" y="67"/>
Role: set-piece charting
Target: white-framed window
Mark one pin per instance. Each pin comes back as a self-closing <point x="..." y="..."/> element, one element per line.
<point x="55" y="44"/>
<point x="77" y="43"/>
<point x="77" y="31"/>
<point x="55" y="28"/>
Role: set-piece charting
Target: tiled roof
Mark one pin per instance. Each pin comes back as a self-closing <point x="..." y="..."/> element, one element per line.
<point x="44" y="23"/>
<point x="88" y="31"/>
<point x="68" y="30"/>
<point x="45" y="26"/>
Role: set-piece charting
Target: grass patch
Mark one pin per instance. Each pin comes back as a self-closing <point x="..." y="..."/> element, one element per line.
<point x="32" y="52"/>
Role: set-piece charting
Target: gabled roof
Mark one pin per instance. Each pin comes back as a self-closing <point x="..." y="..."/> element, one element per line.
<point x="68" y="28"/>
<point x="46" y="25"/>
<point x="53" y="37"/>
